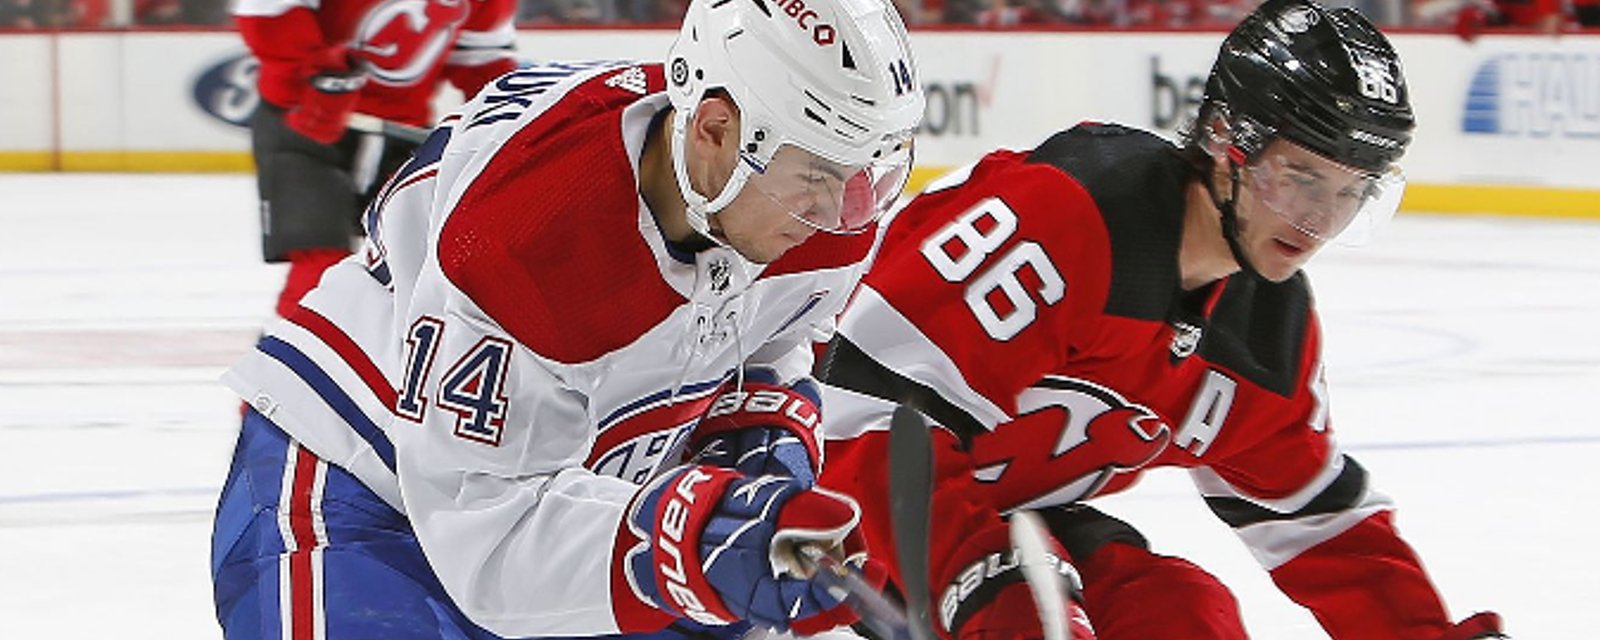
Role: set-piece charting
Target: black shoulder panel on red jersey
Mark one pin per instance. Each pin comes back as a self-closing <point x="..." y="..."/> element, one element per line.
<point x="1343" y="493"/>
<point x="1137" y="180"/>
<point x="848" y="367"/>
<point x="1258" y="330"/>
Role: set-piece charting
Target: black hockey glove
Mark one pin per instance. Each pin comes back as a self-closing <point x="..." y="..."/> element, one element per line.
<point x="981" y="592"/>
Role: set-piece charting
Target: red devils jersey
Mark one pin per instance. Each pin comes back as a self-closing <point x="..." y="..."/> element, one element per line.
<point x="408" y="46"/>
<point x="1031" y="304"/>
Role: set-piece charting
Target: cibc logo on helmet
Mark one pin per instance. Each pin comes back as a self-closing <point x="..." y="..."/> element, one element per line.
<point x="807" y="19"/>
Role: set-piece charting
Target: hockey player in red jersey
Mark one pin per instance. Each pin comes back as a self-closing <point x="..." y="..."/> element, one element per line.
<point x="322" y="62"/>
<point x="1108" y="302"/>
<point x="563" y="388"/>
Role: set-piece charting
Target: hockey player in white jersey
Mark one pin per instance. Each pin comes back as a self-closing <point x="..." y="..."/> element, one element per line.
<point x="562" y="390"/>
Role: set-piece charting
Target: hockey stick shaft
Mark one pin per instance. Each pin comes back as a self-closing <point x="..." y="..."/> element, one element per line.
<point x="846" y="583"/>
<point x="1029" y="536"/>
<point x="387" y="128"/>
<point x="911" y="505"/>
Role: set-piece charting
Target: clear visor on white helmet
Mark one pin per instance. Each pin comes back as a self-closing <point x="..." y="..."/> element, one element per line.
<point x="829" y="196"/>
<point x="1322" y="198"/>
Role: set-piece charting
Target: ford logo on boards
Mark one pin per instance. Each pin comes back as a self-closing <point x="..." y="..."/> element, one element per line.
<point x="227" y="90"/>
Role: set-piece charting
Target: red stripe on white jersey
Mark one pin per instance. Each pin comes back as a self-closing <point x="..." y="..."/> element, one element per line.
<point x="304" y="533"/>
<point x="409" y="181"/>
<point x="341" y="343"/>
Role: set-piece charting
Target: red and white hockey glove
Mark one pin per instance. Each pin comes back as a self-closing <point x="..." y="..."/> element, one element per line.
<point x="334" y="85"/>
<point x="981" y="593"/>
<point x="718" y="546"/>
<point x="761" y="428"/>
<point x="1485" y="624"/>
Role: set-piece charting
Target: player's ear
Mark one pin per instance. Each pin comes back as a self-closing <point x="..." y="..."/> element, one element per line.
<point x="716" y="121"/>
<point x="714" y="137"/>
<point x="1216" y="138"/>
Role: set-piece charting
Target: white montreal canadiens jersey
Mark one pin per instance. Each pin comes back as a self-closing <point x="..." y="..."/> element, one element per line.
<point x="515" y="348"/>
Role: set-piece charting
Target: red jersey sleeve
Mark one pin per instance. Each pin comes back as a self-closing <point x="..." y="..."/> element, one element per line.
<point x="484" y="47"/>
<point x="1310" y="516"/>
<point x="285" y="43"/>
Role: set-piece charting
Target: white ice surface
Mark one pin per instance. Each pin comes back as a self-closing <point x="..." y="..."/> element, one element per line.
<point x="1463" y="357"/>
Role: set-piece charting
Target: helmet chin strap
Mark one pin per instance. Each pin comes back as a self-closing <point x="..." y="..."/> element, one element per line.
<point x="698" y="209"/>
<point x="1230" y="219"/>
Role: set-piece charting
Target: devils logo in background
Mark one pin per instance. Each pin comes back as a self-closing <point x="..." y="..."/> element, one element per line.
<point x="403" y="41"/>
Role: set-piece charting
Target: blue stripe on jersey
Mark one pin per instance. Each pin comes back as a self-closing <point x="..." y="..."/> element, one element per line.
<point x="628" y="409"/>
<point x="426" y="155"/>
<point x="810" y="304"/>
<point x="337" y="399"/>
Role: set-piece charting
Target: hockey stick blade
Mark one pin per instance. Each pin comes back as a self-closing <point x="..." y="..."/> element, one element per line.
<point x="910" y="505"/>
<point x="845" y="582"/>
<point x="387" y="128"/>
<point x="1029" y="536"/>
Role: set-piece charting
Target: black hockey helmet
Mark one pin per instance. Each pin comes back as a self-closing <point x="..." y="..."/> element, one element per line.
<point x="1325" y="79"/>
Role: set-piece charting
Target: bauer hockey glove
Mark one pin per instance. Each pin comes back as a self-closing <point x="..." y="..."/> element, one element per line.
<point x="325" y="104"/>
<point x="1484" y="624"/>
<point x="760" y="428"/>
<point x="981" y="592"/>
<point x="718" y="547"/>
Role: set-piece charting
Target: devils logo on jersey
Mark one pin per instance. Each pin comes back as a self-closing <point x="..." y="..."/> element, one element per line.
<point x="403" y="40"/>
<point x="1068" y="440"/>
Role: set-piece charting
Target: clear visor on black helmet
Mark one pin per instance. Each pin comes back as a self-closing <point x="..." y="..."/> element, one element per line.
<point x="829" y="196"/>
<point x="1322" y="198"/>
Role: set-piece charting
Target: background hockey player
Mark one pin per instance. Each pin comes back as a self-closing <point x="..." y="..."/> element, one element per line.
<point x="1107" y="303"/>
<point x="478" y="424"/>
<point x="321" y="62"/>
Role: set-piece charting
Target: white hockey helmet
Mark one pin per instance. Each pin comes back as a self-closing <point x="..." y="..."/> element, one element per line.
<point x="834" y="78"/>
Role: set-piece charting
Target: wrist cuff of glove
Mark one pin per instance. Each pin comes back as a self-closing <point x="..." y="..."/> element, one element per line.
<point x="758" y="404"/>
<point x="338" y="83"/>
<point x="334" y="59"/>
<point x="681" y="504"/>
<point x="970" y="586"/>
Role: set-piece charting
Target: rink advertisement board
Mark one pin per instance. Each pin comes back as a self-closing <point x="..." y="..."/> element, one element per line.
<point x="1507" y="123"/>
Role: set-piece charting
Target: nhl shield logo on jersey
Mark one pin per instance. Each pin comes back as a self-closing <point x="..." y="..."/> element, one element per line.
<point x="1185" y="340"/>
<point x="720" y="273"/>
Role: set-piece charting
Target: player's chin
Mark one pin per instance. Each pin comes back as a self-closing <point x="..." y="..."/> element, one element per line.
<point x="1279" y="270"/>
<point x="769" y="249"/>
<point x="1280" y="261"/>
<point x="756" y="254"/>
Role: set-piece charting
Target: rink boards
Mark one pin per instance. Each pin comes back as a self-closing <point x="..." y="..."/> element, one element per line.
<point x="1508" y="124"/>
